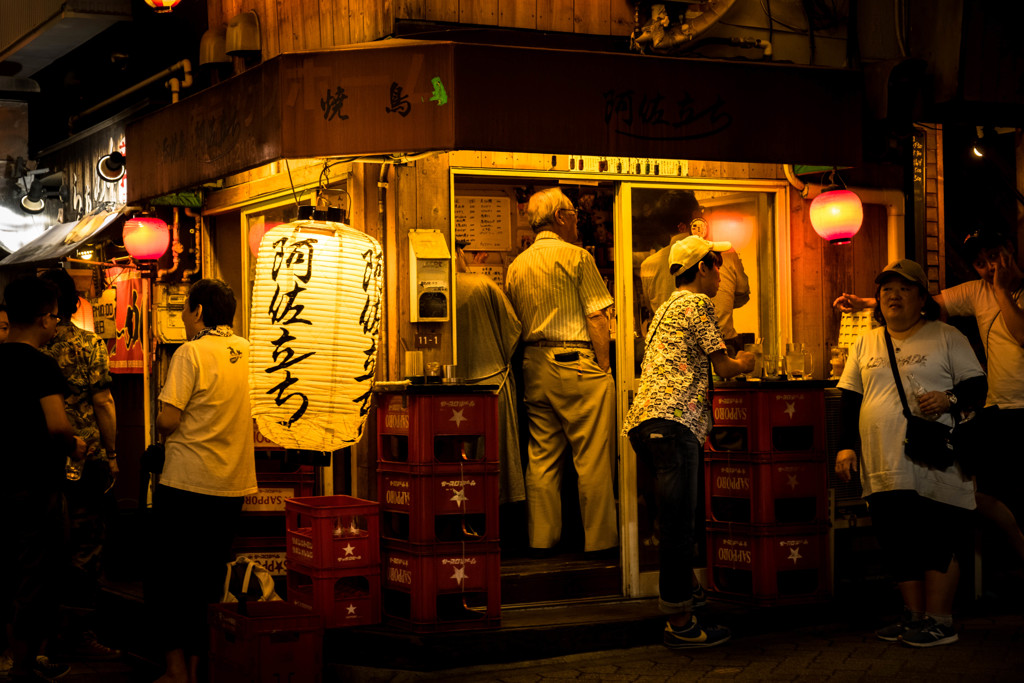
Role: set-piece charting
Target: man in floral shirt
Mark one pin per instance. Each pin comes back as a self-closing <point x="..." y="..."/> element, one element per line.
<point x="670" y="419"/>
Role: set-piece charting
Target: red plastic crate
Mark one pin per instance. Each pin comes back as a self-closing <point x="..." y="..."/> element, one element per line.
<point x="332" y="532"/>
<point x="431" y="508"/>
<point x="781" y="565"/>
<point x="765" y="489"/>
<point x="275" y="488"/>
<point x="451" y="586"/>
<point x="343" y="597"/>
<point x="438" y="429"/>
<point x="272" y="642"/>
<point x="788" y="420"/>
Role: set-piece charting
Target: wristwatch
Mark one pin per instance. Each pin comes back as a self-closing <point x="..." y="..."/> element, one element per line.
<point x="111" y="455"/>
<point x="951" y="397"/>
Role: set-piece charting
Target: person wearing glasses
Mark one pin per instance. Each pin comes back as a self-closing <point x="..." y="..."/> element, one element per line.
<point x="38" y="440"/>
<point x="562" y="301"/>
<point x="996" y="301"/>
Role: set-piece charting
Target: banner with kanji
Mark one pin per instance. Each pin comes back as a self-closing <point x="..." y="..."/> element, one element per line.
<point x="132" y="302"/>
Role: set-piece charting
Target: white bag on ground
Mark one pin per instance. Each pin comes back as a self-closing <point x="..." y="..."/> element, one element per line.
<point x="248" y="578"/>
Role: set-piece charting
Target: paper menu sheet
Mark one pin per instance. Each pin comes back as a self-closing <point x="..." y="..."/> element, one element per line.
<point x="495" y="271"/>
<point x="484" y="221"/>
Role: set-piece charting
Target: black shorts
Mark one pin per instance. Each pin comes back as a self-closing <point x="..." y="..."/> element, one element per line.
<point x="998" y="463"/>
<point x="917" y="534"/>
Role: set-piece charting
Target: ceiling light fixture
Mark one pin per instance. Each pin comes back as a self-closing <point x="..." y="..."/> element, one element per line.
<point x="111" y="167"/>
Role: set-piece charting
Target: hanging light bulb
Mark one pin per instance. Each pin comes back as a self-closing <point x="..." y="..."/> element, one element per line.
<point x="836" y="213"/>
<point x="146" y="238"/>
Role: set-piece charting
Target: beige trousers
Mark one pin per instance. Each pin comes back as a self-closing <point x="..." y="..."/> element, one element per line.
<point x="569" y="402"/>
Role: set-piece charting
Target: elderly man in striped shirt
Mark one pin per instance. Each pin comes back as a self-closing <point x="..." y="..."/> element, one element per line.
<point x="562" y="301"/>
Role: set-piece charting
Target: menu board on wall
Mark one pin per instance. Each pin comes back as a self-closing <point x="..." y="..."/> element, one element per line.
<point x="484" y="221"/>
<point x="495" y="271"/>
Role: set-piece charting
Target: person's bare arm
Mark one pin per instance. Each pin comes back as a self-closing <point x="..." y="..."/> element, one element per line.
<point x="59" y="427"/>
<point x="726" y="367"/>
<point x="600" y="337"/>
<point x="1002" y="281"/>
<point x="168" y="420"/>
<point x="106" y="420"/>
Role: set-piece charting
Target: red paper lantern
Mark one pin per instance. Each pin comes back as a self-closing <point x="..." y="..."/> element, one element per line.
<point x="256" y="233"/>
<point x="146" y="239"/>
<point x="163" y="5"/>
<point x="836" y="215"/>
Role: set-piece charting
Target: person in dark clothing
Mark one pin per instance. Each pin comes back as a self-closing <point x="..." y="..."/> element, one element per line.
<point x="38" y="439"/>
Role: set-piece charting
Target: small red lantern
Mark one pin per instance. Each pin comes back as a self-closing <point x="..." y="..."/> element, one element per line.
<point x="146" y="239"/>
<point x="163" y="5"/>
<point x="837" y="214"/>
<point x="256" y="233"/>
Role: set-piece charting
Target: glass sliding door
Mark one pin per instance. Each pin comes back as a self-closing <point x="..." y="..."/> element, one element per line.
<point x="650" y="217"/>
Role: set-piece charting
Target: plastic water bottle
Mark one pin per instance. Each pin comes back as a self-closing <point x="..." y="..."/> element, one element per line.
<point x="918" y="391"/>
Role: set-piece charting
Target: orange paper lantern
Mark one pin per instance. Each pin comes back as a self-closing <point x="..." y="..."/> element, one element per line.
<point x="836" y="215"/>
<point x="163" y="5"/>
<point x="146" y="239"/>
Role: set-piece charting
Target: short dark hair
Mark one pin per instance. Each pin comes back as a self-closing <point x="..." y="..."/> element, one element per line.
<point x="67" y="292"/>
<point x="712" y="258"/>
<point x="217" y="300"/>
<point x="931" y="310"/>
<point x="29" y="297"/>
<point x="981" y="239"/>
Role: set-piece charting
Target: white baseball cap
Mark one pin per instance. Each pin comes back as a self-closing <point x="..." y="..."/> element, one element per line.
<point x="687" y="252"/>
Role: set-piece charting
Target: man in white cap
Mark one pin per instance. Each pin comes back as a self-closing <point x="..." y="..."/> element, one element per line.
<point x="670" y="419"/>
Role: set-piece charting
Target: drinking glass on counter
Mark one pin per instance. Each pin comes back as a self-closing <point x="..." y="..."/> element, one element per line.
<point x="795" y="360"/>
<point x="755" y="349"/>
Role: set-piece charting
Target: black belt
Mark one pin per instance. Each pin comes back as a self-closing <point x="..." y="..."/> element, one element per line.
<point x="562" y="344"/>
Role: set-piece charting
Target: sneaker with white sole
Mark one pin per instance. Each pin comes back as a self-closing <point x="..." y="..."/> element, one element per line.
<point x="929" y="634"/>
<point x="695" y="636"/>
<point x="894" y="632"/>
<point x="49" y="671"/>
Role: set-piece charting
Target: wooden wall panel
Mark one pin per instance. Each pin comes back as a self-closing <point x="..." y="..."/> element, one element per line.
<point x="484" y="12"/>
<point x="593" y="17"/>
<point x="412" y="9"/>
<point x="289" y="17"/>
<point x="807" y="260"/>
<point x="442" y="10"/>
<point x="555" y="15"/>
<point x="337" y="11"/>
<point x="517" y="14"/>
<point x="623" y="18"/>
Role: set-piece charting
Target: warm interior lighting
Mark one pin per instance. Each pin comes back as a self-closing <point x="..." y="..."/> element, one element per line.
<point x="731" y="226"/>
<point x="111" y="167"/>
<point x="837" y="214"/>
<point x="163" y="5"/>
<point x="256" y="233"/>
<point x="145" y="238"/>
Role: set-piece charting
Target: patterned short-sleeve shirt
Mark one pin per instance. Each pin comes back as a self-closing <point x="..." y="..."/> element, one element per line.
<point x="82" y="357"/>
<point x="675" y="375"/>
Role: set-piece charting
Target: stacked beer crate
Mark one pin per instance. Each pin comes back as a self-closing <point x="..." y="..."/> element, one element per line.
<point x="766" y="496"/>
<point x="333" y="552"/>
<point x="438" y="488"/>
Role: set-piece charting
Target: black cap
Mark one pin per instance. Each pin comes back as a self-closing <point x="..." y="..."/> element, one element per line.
<point x="461" y="244"/>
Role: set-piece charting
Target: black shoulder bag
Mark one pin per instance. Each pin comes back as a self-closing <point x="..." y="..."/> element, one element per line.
<point x="928" y="443"/>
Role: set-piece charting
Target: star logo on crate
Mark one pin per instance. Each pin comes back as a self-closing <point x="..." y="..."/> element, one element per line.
<point x="794" y="554"/>
<point x="792" y="483"/>
<point x="460" y="497"/>
<point x="459" y="575"/>
<point x="458" y="416"/>
<point x="790" y="409"/>
<point x="351" y="609"/>
<point x="349" y="549"/>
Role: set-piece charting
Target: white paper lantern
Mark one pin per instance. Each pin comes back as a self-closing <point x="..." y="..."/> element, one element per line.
<point x="313" y="336"/>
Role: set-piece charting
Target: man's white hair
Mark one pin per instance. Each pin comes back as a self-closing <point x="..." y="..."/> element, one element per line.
<point x="543" y="205"/>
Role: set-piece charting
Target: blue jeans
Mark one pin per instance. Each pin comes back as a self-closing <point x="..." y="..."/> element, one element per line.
<point x="674" y="455"/>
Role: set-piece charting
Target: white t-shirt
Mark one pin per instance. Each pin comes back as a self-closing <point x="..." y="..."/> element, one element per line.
<point x="939" y="357"/>
<point x="211" y="452"/>
<point x="1005" y="356"/>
